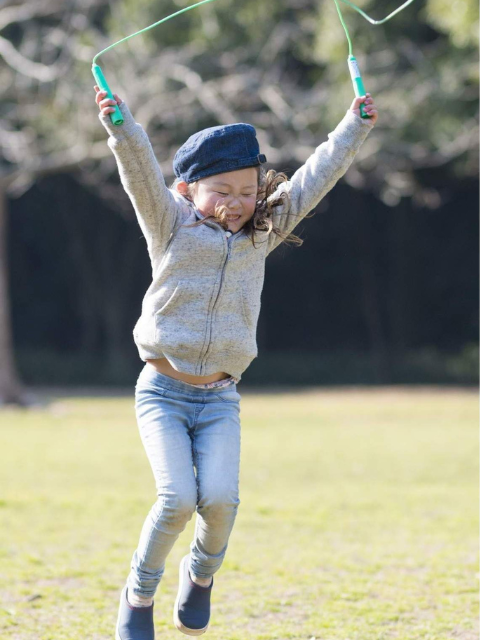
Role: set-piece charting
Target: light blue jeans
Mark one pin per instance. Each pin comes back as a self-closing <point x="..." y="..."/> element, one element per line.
<point x="192" y="440"/>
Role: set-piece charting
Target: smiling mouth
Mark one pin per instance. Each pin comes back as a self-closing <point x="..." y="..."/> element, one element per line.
<point x="233" y="218"/>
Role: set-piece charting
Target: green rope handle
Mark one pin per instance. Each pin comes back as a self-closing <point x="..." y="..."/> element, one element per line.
<point x="116" y="117"/>
<point x="357" y="81"/>
<point x="359" y="89"/>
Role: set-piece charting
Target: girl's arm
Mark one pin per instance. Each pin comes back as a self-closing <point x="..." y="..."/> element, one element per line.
<point x="320" y="173"/>
<point x="140" y="174"/>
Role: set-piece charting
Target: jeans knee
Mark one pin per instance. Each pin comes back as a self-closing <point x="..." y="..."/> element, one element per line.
<point x="218" y="505"/>
<point x="174" y="510"/>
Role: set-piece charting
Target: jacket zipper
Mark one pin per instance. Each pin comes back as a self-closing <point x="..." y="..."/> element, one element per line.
<point x="204" y="359"/>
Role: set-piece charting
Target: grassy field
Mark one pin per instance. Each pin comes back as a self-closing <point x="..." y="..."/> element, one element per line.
<point x="358" y="519"/>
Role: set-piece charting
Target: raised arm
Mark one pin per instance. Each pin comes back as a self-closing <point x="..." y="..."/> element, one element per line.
<point x="319" y="174"/>
<point x="141" y="176"/>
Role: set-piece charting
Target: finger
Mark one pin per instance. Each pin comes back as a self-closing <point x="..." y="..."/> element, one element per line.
<point x="117" y="98"/>
<point x="100" y="96"/>
<point x="107" y="110"/>
<point x="107" y="102"/>
<point x="359" y="100"/>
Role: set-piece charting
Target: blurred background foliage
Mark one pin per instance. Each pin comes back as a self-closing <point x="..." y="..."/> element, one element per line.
<point x="385" y="287"/>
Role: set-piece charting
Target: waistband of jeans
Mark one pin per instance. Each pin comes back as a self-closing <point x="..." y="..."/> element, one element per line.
<point x="219" y="384"/>
<point x="151" y="374"/>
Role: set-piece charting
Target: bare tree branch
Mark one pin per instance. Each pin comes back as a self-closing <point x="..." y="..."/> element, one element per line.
<point x="26" y="67"/>
<point x="27" y="11"/>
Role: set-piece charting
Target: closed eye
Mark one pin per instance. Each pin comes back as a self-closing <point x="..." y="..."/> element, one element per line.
<point x="222" y="194"/>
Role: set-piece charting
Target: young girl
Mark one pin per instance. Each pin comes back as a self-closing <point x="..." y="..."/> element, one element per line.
<point x="208" y="238"/>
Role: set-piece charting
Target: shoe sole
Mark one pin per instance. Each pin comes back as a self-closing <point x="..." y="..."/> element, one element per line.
<point x="176" y="620"/>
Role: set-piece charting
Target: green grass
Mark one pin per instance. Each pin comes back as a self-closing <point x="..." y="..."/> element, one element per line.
<point x="358" y="519"/>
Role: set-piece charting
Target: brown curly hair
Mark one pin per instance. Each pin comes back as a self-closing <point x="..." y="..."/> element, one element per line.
<point x="262" y="219"/>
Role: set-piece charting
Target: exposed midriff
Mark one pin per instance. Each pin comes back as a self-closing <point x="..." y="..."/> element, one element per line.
<point x="162" y="365"/>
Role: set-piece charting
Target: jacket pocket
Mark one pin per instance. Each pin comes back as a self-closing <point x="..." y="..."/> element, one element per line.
<point x="167" y="308"/>
<point x="146" y="329"/>
<point x="170" y="302"/>
<point x="180" y="325"/>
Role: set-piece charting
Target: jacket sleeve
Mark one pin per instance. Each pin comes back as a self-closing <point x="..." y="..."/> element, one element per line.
<point x="142" y="179"/>
<point x="319" y="174"/>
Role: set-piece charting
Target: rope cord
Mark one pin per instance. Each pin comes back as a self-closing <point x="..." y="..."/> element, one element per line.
<point x="367" y="17"/>
<point x="350" y="50"/>
<point x="137" y="33"/>
<point x="177" y="13"/>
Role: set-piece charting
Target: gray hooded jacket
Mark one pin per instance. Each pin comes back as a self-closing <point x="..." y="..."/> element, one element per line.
<point x="201" y="310"/>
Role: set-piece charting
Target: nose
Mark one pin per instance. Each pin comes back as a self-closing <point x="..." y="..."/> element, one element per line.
<point x="234" y="204"/>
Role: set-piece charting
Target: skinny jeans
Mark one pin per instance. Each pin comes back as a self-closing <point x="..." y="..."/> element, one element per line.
<point x="192" y="440"/>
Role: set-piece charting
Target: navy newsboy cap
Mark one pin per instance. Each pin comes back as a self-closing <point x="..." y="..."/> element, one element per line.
<point x="217" y="150"/>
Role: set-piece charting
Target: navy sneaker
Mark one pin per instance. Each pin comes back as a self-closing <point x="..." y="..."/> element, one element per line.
<point x="191" y="613"/>
<point x="134" y="623"/>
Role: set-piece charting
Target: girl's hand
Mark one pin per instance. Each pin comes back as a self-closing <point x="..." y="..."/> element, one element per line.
<point x="369" y="107"/>
<point x="104" y="102"/>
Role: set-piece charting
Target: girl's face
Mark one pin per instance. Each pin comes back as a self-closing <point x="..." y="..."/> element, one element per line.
<point x="236" y="190"/>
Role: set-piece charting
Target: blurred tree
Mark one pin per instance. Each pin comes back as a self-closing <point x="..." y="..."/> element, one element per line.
<point x="280" y="66"/>
<point x="283" y="68"/>
<point x="41" y="44"/>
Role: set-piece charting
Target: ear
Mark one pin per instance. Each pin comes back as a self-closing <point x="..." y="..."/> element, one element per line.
<point x="182" y="188"/>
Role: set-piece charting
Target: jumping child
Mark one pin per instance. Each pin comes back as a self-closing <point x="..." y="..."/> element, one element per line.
<point x="208" y="237"/>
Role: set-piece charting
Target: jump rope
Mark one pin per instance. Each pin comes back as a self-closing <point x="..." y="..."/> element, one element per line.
<point x="117" y="118"/>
